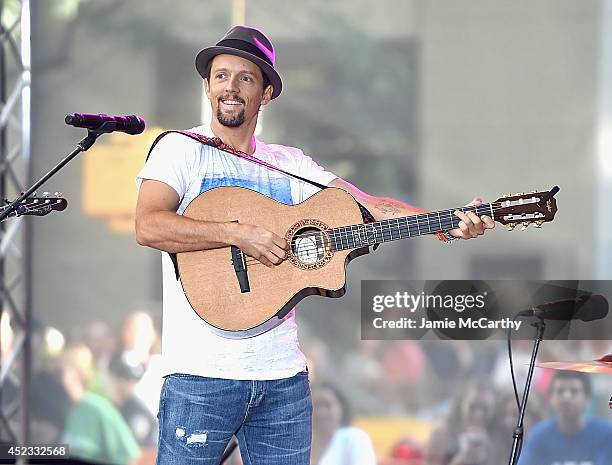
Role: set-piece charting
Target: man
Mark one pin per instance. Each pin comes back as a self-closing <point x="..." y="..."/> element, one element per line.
<point x="94" y="429"/>
<point x="571" y="437"/>
<point x="124" y="374"/>
<point x="257" y="387"/>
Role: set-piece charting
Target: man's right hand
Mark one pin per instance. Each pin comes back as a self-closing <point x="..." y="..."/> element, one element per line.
<point x="261" y="244"/>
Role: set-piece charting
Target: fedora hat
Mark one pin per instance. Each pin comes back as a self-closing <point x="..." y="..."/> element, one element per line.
<point x="246" y="42"/>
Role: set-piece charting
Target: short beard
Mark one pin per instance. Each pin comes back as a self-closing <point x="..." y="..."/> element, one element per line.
<point x="230" y="121"/>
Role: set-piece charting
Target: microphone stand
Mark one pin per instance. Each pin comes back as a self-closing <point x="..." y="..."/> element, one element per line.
<point x="82" y="146"/>
<point x="517" y="444"/>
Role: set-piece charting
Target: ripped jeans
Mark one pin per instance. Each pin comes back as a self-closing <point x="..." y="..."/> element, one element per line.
<point x="198" y="416"/>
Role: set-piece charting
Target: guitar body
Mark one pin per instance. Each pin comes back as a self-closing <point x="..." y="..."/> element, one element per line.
<point x="210" y="279"/>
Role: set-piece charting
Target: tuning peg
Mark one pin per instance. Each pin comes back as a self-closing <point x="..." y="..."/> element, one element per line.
<point x="524" y="225"/>
<point x="520" y="193"/>
<point x="511" y="226"/>
<point x="538" y="224"/>
<point x="57" y="194"/>
<point x="45" y="194"/>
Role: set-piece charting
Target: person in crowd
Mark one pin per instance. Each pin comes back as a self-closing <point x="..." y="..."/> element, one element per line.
<point x="102" y="343"/>
<point x="466" y="437"/>
<point x="570" y="436"/>
<point x="94" y="429"/>
<point x="49" y="407"/>
<point x="124" y="377"/>
<point x="138" y="337"/>
<point x="334" y="440"/>
<point x="506" y="417"/>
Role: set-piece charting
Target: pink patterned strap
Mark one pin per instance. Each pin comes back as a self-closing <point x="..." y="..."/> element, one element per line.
<point x="218" y="143"/>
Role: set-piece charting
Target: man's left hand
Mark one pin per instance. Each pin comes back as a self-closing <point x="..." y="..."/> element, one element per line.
<point x="471" y="225"/>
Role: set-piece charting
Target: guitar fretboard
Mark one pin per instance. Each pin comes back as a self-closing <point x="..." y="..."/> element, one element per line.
<point x="361" y="235"/>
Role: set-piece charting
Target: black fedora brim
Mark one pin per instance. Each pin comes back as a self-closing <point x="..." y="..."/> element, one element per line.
<point x="207" y="54"/>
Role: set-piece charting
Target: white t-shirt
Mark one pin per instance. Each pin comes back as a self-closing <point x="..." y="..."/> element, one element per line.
<point x="188" y="345"/>
<point x="349" y="446"/>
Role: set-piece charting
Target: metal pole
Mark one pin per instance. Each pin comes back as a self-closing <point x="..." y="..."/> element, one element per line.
<point x="2" y="161"/>
<point x="26" y="76"/>
<point x="14" y="171"/>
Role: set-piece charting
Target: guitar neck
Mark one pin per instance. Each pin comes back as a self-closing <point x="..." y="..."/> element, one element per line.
<point x="393" y="229"/>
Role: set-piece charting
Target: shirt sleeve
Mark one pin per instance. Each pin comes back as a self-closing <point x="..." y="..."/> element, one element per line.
<point x="171" y="161"/>
<point x="310" y="169"/>
<point x="360" y="447"/>
<point x="349" y="445"/>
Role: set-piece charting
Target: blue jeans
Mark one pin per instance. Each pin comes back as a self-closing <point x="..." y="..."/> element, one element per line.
<point x="198" y="416"/>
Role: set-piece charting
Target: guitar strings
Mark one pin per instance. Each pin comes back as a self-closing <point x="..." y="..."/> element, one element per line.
<point x="405" y="223"/>
<point x="400" y="228"/>
<point x="345" y="235"/>
<point x="349" y="234"/>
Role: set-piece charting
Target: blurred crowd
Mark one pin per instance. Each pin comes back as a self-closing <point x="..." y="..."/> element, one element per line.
<point x="97" y="390"/>
<point x="462" y="391"/>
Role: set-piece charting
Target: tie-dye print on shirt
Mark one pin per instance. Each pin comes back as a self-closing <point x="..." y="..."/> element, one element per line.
<point x="276" y="188"/>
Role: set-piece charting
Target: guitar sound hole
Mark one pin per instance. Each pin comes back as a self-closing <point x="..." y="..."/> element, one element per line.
<point x="308" y="245"/>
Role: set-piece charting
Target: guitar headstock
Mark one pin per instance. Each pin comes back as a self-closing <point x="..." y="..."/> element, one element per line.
<point x="40" y="206"/>
<point x="526" y="208"/>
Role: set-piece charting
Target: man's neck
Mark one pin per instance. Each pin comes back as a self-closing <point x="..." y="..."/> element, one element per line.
<point x="571" y="425"/>
<point x="240" y="138"/>
<point x="76" y="392"/>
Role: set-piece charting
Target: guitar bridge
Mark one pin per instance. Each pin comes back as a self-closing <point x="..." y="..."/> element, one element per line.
<point x="240" y="267"/>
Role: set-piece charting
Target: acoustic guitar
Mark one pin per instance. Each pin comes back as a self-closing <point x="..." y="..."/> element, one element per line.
<point x="239" y="297"/>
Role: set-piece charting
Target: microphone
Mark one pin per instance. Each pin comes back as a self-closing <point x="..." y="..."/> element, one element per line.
<point x="130" y="124"/>
<point x="583" y="308"/>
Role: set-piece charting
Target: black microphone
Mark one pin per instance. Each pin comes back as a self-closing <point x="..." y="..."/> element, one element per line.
<point x="130" y="124"/>
<point x="583" y="308"/>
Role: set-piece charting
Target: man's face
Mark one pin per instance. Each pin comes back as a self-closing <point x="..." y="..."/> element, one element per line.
<point x="235" y="90"/>
<point x="478" y="408"/>
<point x="568" y="398"/>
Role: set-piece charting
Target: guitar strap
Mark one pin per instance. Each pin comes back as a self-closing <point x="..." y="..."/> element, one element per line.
<point x="218" y="143"/>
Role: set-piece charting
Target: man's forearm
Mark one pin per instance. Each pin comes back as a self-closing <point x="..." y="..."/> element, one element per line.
<point x="383" y="208"/>
<point x="167" y="231"/>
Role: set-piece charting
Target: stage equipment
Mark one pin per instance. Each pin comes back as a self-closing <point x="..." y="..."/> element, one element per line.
<point x="601" y="365"/>
<point x="132" y="123"/>
<point x="585" y="308"/>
